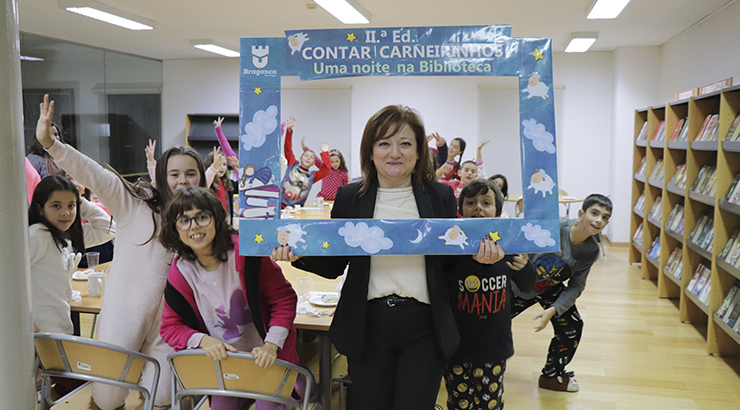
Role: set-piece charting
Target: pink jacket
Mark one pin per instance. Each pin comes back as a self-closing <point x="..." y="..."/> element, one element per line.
<point x="269" y="296"/>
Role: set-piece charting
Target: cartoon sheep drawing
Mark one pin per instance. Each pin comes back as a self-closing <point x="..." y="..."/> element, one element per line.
<point x="455" y="236"/>
<point x="541" y="182"/>
<point x="536" y="87"/>
<point x="290" y="234"/>
<point x="295" y="42"/>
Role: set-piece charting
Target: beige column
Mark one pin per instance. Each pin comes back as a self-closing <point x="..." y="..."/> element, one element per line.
<point x="17" y="371"/>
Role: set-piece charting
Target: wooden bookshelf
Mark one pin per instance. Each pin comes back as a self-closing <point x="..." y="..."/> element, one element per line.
<point x="725" y="156"/>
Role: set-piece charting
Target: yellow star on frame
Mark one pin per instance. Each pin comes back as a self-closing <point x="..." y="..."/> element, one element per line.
<point x="258" y="238"/>
<point x="537" y="54"/>
<point x="325" y="245"/>
<point x="495" y="236"/>
<point x="258" y="90"/>
<point x="351" y="37"/>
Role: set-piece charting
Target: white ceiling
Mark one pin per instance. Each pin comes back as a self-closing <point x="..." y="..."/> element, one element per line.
<point x="642" y="23"/>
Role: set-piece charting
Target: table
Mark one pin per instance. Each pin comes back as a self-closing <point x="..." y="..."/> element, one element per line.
<point x="563" y="199"/>
<point x="88" y="304"/>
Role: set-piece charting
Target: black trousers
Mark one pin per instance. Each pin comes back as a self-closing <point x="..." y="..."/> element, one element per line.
<point x="568" y="329"/>
<point x="402" y="364"/>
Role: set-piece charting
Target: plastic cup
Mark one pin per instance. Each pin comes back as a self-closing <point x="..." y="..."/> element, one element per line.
<point x="93" y="259"/>
<point x="302" y="288"/>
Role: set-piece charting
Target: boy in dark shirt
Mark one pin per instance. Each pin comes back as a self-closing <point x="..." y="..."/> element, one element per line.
<point x="481" y="304"/>
<point x="578" y="251"/>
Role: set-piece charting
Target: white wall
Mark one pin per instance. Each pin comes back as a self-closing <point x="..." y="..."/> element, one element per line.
<point x="702" y="55"/>
<point x="636" y="84"/>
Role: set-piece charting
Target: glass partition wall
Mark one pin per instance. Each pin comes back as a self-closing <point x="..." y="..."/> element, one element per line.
<point x="108" y="103"/>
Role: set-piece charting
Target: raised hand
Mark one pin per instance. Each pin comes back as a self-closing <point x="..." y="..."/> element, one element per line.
<point x="218" y="157"/>
<point x="481" y="145"/>
<point x="234" y="161"/>
<point x="303" y="143"/>
<point x="324" y="146"/>
<point x="290" y="123"/>
<point x="439" y="140"/>
<point x="218" y="121"/>
<point x="43" y="126"/>
<point x="149" y="150"/>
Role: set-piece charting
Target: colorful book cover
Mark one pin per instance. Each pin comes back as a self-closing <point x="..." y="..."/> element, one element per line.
<point x="733" y="127"/>
<point x="678" y="129"/>
<point x="728" y="299"/>
<point x="703" y="278"/>
<point x="703" y="127"/>
<point x="694" y="279"/>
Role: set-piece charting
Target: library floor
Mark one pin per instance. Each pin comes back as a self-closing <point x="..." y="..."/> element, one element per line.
<point x="634" y="354"/>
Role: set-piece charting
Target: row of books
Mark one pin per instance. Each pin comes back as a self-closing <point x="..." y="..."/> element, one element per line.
<point x="703" y="233"/>
<point x="679" y="178"/>
<point x="659" y="134"/>
<point x="657" y="172"/>
<point x="734" y="132"/>
<point x="637" y="237"/>
<point x="706" y="181"/>
<point x="656" y="212"/>
<point x="710" y="129"/>
<point x="681" y="133"/>
<point x="640" y="205"/>
<point x="642" y="135"/>
<point x="643" y="166"/>
<point x="654" y="249"/>
<point x="733" y="194"/>
<point x="675" y="219"/>
<point x="675" y="263"/>
<point x="729" y="312"/>
<point x="731" y="251"/>
<point x="700" y="283"/>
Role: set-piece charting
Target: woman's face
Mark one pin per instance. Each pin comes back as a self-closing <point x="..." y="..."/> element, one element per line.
<point x="453" y="149"/>
<point x="335" y="161"/>
<point x="182" y="171"/>
<point x="395" y="157"/>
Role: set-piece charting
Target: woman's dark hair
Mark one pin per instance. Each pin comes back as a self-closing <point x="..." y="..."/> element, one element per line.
<point x="41" y="195"/>
<point x="157" y="198"/>
<point x="481" y="187"/>
<point x="386" y="123"/>
<point x="204" y="200"/>
<point x="224" y="178"/>
<point x="504" y="186"/>
<point x="342" y="164"/>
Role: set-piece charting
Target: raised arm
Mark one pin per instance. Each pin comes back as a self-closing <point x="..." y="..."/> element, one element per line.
<point x="318" y="162"/>
<point x="222" y="141"/>
<point x="479" y="160"/>
<point x="109" y="187"/>
<point x="288" y="144"/>
<point x="326" y="165"/>
<point x="151" y="163"/>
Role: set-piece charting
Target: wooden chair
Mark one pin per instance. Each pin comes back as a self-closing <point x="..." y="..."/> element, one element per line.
<point x="194" y="374"/>
<point x="90" y="360"/>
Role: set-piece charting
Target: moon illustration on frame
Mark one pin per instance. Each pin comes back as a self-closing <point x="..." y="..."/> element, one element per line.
<point x="418" y="238"/>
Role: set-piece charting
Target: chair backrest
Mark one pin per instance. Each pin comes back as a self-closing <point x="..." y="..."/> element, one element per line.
<point x="238" y="376"/>
<point x="519" y="207"/>
<point x="93" y="361"/>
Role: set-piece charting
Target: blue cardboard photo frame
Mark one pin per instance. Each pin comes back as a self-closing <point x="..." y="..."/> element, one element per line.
<point x="400" y="51"/>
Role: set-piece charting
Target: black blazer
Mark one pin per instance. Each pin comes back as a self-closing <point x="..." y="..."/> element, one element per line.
<point x="347" y="332"/>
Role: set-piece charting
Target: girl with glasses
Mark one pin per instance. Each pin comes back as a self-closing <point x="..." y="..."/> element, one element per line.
<point x="219" y="301"/>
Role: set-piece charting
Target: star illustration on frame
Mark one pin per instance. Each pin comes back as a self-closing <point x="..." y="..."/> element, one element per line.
<point x="537" y="54"/>
<point x="495" y="236"/>
<point x="258" y="238"/>
<point x="258" y="90"/>
<point x="351" y="37"/>
<point x="325" y="245"/>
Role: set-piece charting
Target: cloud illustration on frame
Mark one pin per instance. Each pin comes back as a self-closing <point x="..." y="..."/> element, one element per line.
<point x="540" y="237"/>
<point x="371" y="239"/>
<point x="541" y="139"/>
<point x="264" y="122"/>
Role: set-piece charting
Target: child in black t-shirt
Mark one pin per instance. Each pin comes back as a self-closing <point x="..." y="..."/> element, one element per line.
<point x="481" y="304"/>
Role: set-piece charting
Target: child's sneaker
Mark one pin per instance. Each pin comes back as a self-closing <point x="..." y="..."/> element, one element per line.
<point x="564" y="382"/>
